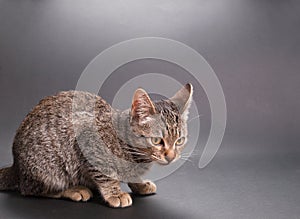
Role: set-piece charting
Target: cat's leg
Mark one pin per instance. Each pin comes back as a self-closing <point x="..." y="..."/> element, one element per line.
<point x="145" y="188"/>
<point x="111" y="192"/>
<point x="52" y="189"/>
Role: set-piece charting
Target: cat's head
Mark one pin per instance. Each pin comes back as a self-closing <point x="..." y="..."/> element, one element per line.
<point x="161" y="125"/>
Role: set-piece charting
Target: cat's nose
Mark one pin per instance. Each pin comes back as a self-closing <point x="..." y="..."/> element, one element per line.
<point x="170" y="155"/>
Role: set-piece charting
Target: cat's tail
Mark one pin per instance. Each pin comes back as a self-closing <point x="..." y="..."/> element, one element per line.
<point x="8" y="179"/>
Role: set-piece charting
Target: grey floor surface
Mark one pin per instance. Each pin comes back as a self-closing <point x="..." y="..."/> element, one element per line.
<point x="232" y="186"/>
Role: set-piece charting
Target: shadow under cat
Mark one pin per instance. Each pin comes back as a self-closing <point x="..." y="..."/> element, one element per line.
<point x="17" y="206"/>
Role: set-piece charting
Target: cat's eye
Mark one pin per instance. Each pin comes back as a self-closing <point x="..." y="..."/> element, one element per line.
<point x="180" y="141"/>
<point x="156" y="141"/>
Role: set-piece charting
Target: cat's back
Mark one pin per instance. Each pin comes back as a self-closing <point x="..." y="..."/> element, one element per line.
<point x="66" y="102"/>
<point x="52" y="119"/>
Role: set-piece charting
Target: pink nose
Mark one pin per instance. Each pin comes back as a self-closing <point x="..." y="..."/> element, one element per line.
<point x="170" y="155"/>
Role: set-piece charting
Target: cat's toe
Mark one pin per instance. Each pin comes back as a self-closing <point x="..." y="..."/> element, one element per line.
<point x="125" y="200"/>
<point x="145" y="188"/>
<point x="77" y="194"/>
<point x="150" y="188"/>
<point x="119" y="201"/>
<point x="85" y="193"/>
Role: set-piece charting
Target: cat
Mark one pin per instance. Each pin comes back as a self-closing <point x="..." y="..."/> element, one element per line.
<point x="74" y="142"/>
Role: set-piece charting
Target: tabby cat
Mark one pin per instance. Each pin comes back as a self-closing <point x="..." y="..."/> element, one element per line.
<point x="74" y="142"/>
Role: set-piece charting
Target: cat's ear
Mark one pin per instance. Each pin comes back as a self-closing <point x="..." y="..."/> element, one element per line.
<point x="183" y="99"/>
<point x="142" y="107"/>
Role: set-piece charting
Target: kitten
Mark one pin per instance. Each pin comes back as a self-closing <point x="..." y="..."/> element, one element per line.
<point x="74" y="142"/>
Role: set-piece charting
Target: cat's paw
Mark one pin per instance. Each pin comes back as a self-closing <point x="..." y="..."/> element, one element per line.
<point x="145" y="188"/>
<point x="78" y="193"/>
<point x="119" y="201"/>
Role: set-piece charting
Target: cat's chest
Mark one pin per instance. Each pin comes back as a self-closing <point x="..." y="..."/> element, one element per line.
<point x="131" y="171"/>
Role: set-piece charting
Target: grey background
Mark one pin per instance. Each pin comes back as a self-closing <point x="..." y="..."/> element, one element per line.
<point x="253" y="46"/>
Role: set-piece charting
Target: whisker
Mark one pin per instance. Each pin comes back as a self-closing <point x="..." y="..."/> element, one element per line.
<point x="155" y="157"/>
<point x="188" y="161"/>
<point x="131" y="148"/>
<point x="194" y="118"/>
<point x="136" y="153"/>
<point x="190" y="154"/>
<point x="184" y="158"/>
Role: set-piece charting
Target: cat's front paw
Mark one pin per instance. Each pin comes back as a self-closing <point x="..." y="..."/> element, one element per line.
<point x="145" y="188"/>
<point x="119" y="201"/>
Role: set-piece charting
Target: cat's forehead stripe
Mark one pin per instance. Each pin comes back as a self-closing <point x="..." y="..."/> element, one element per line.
<point x="170" y="116"/>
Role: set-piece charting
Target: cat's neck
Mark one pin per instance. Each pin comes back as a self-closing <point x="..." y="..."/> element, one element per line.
<point x="121" y="122"/>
